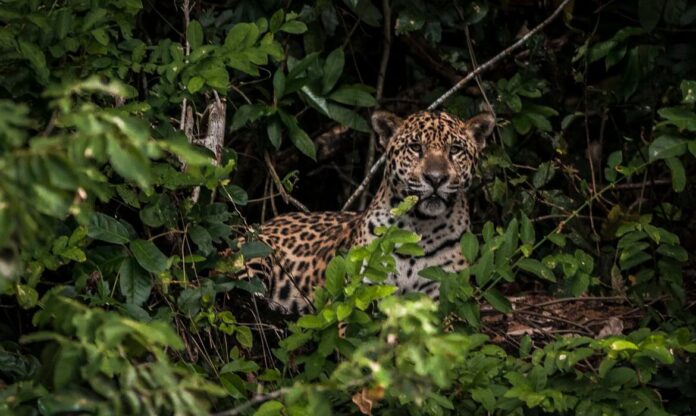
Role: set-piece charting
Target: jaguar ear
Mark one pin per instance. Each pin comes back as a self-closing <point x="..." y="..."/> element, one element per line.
<point x="481" y="126"/>
<point x="385" y="124"/>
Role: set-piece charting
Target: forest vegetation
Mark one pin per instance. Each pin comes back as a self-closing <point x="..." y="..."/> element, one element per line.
<point x="140" y="139"/>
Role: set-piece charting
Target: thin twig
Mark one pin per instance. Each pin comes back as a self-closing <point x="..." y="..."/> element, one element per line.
<point x="288" y="199"/>
<point x="370" y="158"/>
<point x="640" y="186"/>
<point x="365" y="181"/>
<point x="486" y="66"/>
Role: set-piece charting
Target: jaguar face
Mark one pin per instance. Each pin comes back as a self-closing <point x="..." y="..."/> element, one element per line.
<point x="431" y="155"/>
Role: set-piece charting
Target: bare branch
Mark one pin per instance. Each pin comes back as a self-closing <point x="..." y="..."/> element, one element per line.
<point x="288" y="199"/>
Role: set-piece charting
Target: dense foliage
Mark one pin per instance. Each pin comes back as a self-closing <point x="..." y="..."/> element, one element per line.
<point x="119" y="237"/>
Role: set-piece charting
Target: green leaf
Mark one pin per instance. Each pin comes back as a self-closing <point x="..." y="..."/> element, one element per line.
<point x="302" y="141"/>
<point x="105" y="228"/>
<point x="190" y="154"/>
<point x="536" y="267"/>
<point x="270" y="408"/>
<point x="347" y="117"/>
<point x="333" y="68"/>
<point x="129" y="162"/>
<point x="149" y="256"/>
<point x="335" y="276"/>
<point x="241" y="36"/>
<point x="621" y="345"/>
<point x="527" y="234"/>
<point x="274" y="133"/>
<point x="246" y="114"/>
<point x="353" y="96"/>
<point x="544" y="174"/>
<point x="497" y="300"/>
<point x="294" y="27"/>
<point x="201" y="237"/>
<point x="36" y="58"/>
<point x="134" y="282"/>
<point x="195" y="84"/>
<point x="631" y="75"/>
<point x="244" y="337"/>
<point x="469" y="245"/>
<point x="276" y="20"/>
<point x="298" y="137"/>
<point x="484" y="396"/>
<point x="665" y="147"/>
<point x="678" y="173"/>
<point x="279" y="84"/>
<point x="252" y="249"/>
<point x="27" y="296"/>
<point x="681" y="117"/>
<point x="194" y="34"/>
<point x="237" y="194"/>
<point x="312" y="322"/>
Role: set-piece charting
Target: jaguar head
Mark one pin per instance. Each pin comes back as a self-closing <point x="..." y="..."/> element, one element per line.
<point x="431" y="155"/>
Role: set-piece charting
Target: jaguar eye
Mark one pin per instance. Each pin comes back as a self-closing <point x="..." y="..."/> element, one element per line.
<point x="415" y="147"/>
<point x="456" y="149"/>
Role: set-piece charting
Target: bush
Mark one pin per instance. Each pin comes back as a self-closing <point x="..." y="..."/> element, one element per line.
<point x="140" y="140"/>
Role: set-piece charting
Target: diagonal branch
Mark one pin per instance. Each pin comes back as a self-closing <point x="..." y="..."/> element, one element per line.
<point x="288" y="199"/>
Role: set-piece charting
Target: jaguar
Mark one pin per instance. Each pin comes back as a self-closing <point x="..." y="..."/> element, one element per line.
<point x="431" y="155"/>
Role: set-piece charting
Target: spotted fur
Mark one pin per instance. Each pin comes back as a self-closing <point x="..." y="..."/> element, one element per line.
<point x="429" y="154"/>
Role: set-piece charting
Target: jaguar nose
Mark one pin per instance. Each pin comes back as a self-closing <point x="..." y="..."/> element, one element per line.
<point x="435" y="178"/>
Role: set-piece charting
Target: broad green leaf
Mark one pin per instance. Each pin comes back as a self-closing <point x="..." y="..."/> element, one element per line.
<point x="148" y="255"/>
<point x="27" y="296"/>
<point x="276" y="20"/>
<point x="294" y="27"/>
<point x="469" y="245"/>
<point x="527" y="234"/>
<point x="335" y="276"/>
<point x="201" y="237"/>
<point x="536" y="267"/>
<point x="270" y="408"/>
<point x="678" y="173"/>
<point x="353" y="96"/>
<point x="129" y="162"/>
<point x="244" y="337"/>
<point x="252" y="249"/>
<point x="545" y="172"/>
<point x="36" y="58"/>
<point x="302" y="141"/>
<point x="105" y="228"/>
<point x="187" y="152"/>
<point x="246" y="114"/>
<point x="348" y="118"/>
<point x="194" y="34"/>
<point x="681" y="117"/>
<point x="621" y="345"/>
<point x="135" y="283"/>
<point x="237" y="194"/>
<point x="273" y="130"/>
<point x="279" y="84"/>
<point x="333" y="68"/>
<point x="497" y="300"/>
<point x="195" y="84"/>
